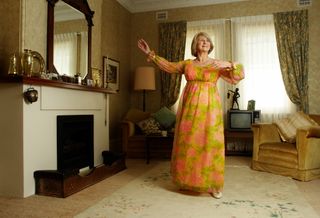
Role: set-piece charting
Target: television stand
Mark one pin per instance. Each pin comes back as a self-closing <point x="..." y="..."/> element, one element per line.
<point x="238" y="142"/>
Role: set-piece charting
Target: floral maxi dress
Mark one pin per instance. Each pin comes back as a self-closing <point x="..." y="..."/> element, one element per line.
<point x="197" y="161"/>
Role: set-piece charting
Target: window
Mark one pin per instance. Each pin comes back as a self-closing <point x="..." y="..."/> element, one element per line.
<point x="253" y="44"/>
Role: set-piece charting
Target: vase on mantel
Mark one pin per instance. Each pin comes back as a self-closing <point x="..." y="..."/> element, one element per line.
<point x="26" y="62"/>
<point x="14" y="65"/>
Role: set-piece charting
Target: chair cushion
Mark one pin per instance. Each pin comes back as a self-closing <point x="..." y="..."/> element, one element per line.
<point x="288" y="126"/>
<point x="149" y="126"/>
<point x="279" y="153"/>
<point x="165" y="117"/>
<point x="136" y="115"/>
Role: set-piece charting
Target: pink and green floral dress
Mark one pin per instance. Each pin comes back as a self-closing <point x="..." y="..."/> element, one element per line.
<point x="197" y="161"/>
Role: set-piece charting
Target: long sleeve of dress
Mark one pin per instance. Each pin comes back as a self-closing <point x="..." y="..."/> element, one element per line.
<point x="233" y="75"/>
<point x="167" y="66"/>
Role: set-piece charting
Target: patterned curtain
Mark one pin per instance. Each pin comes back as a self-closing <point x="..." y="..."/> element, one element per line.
<point x="292" y="33"/>
<point x="172" y="38"/>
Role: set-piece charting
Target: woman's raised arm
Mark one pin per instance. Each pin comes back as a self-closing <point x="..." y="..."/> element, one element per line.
<point x="163" y="64"/>
<point x="144" y="47"/>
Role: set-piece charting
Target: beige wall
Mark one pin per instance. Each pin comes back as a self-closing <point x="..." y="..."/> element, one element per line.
<point x="115" y="44"/>
<point x="314" y="58"/>
<point x="144" y="25"/>
<point x="23" y="25"/>
<point x="10" y="30"/>
<point x="34" y="26"/>
<point x="96" y="6"/>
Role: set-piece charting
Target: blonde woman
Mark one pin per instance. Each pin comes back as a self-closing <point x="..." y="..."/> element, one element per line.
<point x="198" y="160"/>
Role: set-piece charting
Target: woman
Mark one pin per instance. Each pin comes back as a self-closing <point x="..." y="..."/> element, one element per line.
<point x="197" y="162"/>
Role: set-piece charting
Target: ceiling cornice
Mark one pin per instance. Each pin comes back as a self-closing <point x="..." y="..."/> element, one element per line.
<point x="136" y="6"/>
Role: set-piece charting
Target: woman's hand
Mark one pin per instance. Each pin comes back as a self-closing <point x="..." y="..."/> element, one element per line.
<point x="143" y="45"/>
<point x="227" y="65"/>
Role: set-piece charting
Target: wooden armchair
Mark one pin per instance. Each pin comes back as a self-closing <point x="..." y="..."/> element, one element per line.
<point x="133" y="144"/>
<point x="299" y="160"/>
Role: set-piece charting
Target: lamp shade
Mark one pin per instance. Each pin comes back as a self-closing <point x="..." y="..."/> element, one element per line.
<point x="144" y="78"/>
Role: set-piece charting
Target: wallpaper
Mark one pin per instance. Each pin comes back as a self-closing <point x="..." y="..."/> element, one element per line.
<point x="314" y="58"/>
<point x="9" y="34"/>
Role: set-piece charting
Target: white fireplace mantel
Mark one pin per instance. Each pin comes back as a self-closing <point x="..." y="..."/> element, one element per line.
<point x="29" y="135"/>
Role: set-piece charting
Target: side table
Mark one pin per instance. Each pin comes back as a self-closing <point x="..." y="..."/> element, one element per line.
<point x="161" y="145"/>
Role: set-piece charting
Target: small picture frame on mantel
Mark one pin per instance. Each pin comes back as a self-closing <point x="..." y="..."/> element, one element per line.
<point x="111" y="74"/>
<point x="251" y="105"/>
<point x="97" y="77"/>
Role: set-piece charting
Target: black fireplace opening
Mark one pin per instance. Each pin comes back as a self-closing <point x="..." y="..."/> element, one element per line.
<point x="74" y="142"/>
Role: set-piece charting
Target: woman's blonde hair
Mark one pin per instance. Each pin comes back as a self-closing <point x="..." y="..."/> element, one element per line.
<point x="195" y="42"/>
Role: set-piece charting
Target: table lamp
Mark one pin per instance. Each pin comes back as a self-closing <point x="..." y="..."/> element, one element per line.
<point x="144" y="79"/>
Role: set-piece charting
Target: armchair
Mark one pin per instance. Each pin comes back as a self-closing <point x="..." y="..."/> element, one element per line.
<point x="137" y="124"/>
<point x="133" y="140"/>
<point x="299" y="160"/>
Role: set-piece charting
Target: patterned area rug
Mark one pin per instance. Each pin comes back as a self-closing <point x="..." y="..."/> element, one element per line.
<point x="247" y="193"/>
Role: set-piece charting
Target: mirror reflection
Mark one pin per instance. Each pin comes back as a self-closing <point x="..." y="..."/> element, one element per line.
<point x="70" y="41"/>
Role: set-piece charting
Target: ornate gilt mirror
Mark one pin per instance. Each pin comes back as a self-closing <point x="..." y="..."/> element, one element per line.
<point x="69" y="37"/>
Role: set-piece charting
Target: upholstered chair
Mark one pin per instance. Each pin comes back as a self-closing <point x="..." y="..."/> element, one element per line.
<point x="137" y="124"/>
<point x="298" y="157"/>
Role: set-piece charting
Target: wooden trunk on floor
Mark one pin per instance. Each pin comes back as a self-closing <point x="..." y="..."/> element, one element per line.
<point x="57" y="184"/>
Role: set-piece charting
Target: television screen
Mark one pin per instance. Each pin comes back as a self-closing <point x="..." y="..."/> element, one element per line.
<point x="240" y="120"/>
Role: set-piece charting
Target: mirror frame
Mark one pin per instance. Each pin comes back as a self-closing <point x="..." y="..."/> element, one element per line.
<point x="83" y="7"/>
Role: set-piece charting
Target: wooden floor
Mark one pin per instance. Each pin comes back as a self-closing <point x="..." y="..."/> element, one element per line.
<point x="41" y="206"/>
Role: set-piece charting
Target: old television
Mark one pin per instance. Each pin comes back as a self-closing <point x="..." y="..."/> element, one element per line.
<point x="241" y="120"/>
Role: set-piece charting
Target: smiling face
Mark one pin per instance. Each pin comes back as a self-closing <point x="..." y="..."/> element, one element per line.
<point x="201" y="43"/>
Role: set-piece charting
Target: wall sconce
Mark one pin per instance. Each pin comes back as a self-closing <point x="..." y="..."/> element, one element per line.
<point x="144" y="79"/>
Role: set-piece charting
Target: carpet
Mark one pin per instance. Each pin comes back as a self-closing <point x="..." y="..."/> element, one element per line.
<point x="247" y="193"/>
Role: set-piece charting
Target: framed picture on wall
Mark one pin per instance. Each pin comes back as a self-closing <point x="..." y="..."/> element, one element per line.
<point x="111" y="74"/>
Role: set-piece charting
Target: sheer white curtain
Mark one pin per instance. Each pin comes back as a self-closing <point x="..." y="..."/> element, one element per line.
<point x="65" y="53"/>
<point x="215" y="28"/>
<point x="254" y="45"/>
<point x="66" y="49"/>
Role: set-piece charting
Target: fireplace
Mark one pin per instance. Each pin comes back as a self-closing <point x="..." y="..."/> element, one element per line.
<point x="74" y="152"/>
<point x="74" y="142"/>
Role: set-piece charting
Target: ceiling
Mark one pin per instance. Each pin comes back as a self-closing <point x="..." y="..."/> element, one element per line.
<point x="135" y="6"/>
<point x="64" y="12"/>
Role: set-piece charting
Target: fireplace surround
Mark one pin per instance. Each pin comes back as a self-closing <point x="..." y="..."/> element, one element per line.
<point x="30" y="142"/>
